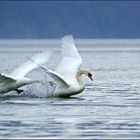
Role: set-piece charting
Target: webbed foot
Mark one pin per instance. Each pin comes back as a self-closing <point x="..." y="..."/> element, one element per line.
<point x="19" y="91"/>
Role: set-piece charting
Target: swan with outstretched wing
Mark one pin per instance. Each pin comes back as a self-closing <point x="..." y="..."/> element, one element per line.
<point x="67" y="75"/>
<point x="17" y="78"/>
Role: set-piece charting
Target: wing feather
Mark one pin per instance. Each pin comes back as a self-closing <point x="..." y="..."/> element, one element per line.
<point x="58" y="79"/>
<point x="71" y="59"/>
<point x="28" y="66"/>
<point x="55" y="76"/>
<point x="6" y="79"/>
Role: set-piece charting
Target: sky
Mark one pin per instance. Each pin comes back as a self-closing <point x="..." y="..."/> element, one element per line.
<point x="83" y="19"/>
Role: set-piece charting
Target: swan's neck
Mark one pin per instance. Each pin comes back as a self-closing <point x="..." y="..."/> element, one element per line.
<point x="78" y="76"/>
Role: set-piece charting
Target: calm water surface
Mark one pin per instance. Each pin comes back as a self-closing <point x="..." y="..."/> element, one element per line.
<point x="108" y="108"/>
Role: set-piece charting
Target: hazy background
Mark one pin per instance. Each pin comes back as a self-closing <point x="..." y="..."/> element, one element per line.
<point x="83" y="19"/>
<point x="107" y="35"/>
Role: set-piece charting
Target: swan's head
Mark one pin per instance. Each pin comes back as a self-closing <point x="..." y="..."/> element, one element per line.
<point x="86" y="72"/>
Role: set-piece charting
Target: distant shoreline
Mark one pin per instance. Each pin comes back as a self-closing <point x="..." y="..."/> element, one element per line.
<point x="79" y="42"/>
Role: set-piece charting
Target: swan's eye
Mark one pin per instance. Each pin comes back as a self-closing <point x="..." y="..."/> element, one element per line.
<point x="89" y="74"/>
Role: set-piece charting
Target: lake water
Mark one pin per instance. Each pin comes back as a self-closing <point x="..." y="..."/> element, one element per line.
<point x="108" y="108"/>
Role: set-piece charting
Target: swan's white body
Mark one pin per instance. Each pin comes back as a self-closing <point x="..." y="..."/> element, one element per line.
<point x="17" y="78"/>
<point x="67" y="75"/>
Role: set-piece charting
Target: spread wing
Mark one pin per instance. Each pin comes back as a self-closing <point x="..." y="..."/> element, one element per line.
<point x="28" y="66"/>
<point x="6" y="79"/>
<point x="57" y="79"/>
<point x="55" y="76"/>
<point x="71" y="59"/>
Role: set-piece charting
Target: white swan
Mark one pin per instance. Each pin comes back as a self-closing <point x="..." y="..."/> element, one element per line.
<point x="67" y="76"/>
<point x="16" y="79"/>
